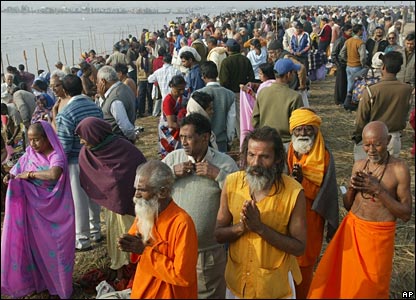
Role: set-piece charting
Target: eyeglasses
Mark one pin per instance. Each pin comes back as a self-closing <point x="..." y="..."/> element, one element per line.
<point x="392" y="38"/>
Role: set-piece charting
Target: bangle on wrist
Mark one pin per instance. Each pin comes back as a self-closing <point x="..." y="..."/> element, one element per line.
<point x="31" y="175"/>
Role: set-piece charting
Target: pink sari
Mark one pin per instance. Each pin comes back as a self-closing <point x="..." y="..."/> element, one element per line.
<point x="38" y="240"/>
<point x="247" y="100"/>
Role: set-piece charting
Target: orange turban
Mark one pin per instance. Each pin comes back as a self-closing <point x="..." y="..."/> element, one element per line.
<point x="313" y="163"/>
<point x="303" y="116"/>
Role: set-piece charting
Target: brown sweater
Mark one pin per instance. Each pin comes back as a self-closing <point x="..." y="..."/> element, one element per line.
<point x="353" y="54"/>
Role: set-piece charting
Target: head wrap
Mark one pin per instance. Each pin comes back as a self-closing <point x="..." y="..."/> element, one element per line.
<point x="113" y="160"/>
<point x="48" y="99"/>
<point x="194" y="107"/>
<point x="303" y="116"/>
<point x="313" y="163"/>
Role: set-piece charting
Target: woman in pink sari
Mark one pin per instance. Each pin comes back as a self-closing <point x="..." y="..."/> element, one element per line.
<point x="248" y="94"/>
<point x="37" y="244"/>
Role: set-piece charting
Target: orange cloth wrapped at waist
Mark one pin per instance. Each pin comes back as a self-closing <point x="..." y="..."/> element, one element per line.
<point x="358" y="261"/>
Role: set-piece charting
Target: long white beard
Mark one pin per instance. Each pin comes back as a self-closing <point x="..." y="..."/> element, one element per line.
<point x="146" y="213"/>
<point x="262" y="180"/>
<point x="302" y="144"/>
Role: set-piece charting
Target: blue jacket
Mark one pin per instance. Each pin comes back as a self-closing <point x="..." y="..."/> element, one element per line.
<point x="303" y="45"/>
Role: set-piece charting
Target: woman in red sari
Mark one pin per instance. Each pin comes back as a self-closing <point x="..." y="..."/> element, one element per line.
<point x="172" y="113"/>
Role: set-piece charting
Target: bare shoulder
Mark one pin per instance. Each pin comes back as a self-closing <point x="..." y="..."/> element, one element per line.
<point x="399" y="165"/>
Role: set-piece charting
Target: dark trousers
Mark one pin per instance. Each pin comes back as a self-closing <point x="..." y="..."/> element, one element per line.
<point x="145" y="91"/>
<point x="340" y="85"/>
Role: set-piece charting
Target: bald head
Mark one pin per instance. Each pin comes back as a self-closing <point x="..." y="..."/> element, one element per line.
<point x="376" y="127"/>
<point x="375" y="140"/>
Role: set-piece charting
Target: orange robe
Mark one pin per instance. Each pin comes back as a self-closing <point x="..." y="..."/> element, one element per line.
<point x="167" y="268"/>
<point x="314" y="225"/>
<point x="315" y="222"/>
<point x="358" y="261"/>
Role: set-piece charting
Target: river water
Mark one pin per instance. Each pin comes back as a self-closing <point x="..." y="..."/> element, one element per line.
<point x="27" y="32"/>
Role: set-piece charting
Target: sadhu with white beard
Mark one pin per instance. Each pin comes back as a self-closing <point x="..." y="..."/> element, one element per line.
<point x="162" y="239"/>
<point x="312" y="165"/>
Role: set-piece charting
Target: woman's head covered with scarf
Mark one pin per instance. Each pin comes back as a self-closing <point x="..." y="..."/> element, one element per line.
<point x="93" y="130"/>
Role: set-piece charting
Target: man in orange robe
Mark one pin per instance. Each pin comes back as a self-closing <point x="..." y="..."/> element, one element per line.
<point x="309" y="162"/>
<point x="162" y="239"/>
<point x="359" y="260"/>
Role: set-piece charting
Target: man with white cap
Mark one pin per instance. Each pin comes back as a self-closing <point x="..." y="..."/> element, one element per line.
<point x="276" y="102"/>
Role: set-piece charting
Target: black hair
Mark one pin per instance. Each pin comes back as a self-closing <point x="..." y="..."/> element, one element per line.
<point x="162" y="51"/>
<point x="119" y="67"/>
<point x="255" y="43"/>
<point x="41" y="84"/>
<point x="393" y="61"/>
<point x="84" y="66"/>
<point x="167" y="58"/>
<point x="72" y="85"/>
<point x="187" y="55"/>
<point x="356" y="28"/>
<point x="177" y="80"/>
<point x="266" y="134"/>
<point x="410" y="36"/>
<point x="200" y="123"/>
<point x="212" y="40"/>
<point x="267" y="69"/>
<point x="209" y="70"/>
<point x="203" y="99"/>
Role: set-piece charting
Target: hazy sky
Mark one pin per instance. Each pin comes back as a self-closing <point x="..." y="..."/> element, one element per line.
<point x="183" y="4"/>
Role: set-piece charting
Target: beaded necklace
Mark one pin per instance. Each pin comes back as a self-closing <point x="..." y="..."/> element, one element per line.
<point x="367" y="170"/>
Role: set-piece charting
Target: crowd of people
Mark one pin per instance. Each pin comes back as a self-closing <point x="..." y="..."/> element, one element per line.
<point x="197" y="223"/>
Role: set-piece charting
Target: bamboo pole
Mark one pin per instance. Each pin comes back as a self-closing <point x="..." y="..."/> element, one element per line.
<point x="63" y="48"/>
<point x="25" y="58"/>
<point x="105" y="49"/>
<point x="80" y="48"/>
<point x="7" y="58"/>
<point x="89" y="41"/>
<point x="95" y="43"/>
<point x="59" y="52"/>
<point x="46" y="58"/>
<point x="92" y="40"/>
<point x="137" y="33"/>
<point x="73" y="53"/>
<point x="37" y="62"/>
<point x="2" y="64"/>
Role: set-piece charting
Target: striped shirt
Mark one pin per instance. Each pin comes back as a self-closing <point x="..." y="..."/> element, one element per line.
<point x="67" y="120"/>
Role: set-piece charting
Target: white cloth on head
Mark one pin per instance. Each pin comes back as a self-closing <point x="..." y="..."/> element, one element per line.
<point x="192" y="50"/>
<point x="194" y="107"/>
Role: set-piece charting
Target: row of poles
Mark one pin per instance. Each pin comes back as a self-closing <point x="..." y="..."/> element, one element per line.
<point x="93" y="42"/>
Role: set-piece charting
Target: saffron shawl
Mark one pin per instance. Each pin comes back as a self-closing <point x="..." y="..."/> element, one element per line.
<point x="108" y="170"/>
<point x="38" y="240"/>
